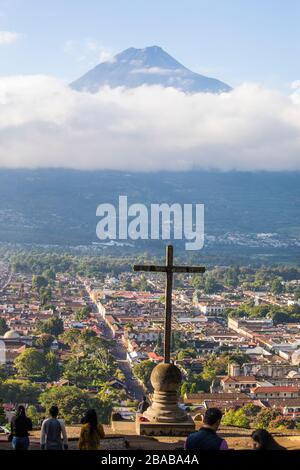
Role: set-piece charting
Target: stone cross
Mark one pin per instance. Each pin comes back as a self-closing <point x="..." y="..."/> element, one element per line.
<point x="169" y="269"/>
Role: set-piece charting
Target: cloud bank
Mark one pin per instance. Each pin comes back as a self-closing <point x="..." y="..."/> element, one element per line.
<point x="44" y="123"/>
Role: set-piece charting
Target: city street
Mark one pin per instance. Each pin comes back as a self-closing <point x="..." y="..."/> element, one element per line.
<point x="118" y="350"/>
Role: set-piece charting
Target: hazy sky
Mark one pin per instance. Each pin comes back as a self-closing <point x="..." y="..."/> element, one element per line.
<point x="233" y="40"/>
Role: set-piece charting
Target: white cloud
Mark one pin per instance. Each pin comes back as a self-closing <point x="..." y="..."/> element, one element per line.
<point x="88" y="51"/>
<point x="295" y="84"/>
<point x="8" y="37"/>
<point x="44" y="123"/>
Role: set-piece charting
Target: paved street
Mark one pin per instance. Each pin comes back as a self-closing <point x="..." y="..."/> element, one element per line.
<point x="135" y="389"/>
<point x="119" y="352"/>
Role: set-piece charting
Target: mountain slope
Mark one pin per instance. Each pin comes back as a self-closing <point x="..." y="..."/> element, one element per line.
<point x="151" y="66"/>
<point x="59" y="206"/>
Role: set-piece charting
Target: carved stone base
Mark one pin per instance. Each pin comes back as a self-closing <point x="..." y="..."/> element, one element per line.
<point x="152" y="428"/>
<point x="165" y="409"/>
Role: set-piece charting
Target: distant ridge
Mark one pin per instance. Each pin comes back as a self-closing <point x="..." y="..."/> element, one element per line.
<point x="149" y="66"/>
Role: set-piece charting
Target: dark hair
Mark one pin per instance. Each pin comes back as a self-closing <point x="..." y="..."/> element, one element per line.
<point x="265" y="440"/>
<point x="21" y="411"/>
<point x="212" y="416"/>
<point x="91" y="418"/>
<point x="20" y="414"/>
<point x="144" y="398"/>
<point x="53" y="411"/>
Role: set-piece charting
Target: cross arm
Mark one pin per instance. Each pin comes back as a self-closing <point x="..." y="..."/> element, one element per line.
<point x="150" y="268"/>
<point x="187" y="269"/>
<point x="166" y="269"/>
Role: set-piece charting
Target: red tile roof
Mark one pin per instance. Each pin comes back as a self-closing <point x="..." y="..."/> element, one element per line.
<point x="239" y="379"/>
<point x="200" y="397"/>
<point x="154" y="356"/>
<point x="275" y="389"/>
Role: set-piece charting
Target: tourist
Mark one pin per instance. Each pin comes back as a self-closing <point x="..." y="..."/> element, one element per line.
<point x="20" y="426"/>
<point x="91" y="432"/>
<point x="143" y="406"/>
<point x="53" y="432"/>
<point x="207" y="438"/>
<point x="263" y="440"/>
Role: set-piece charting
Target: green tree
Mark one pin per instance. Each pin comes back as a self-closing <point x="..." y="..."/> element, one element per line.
<point x="241" y="419"/>
<point x="282" y="423"/>
<point x="34" y="415"/>
<point x="70" y="337"/>
<point x="251" y="410"/>
<point x="31" y="363"/>
<point x="73" y="403"/>
<point x="209" y="373"/>
<point x="297" y="293"/>
<point x="187" y="353"/>
<point x="236" y="418"/>
<point x="159" y="344"/>
<point x="264" y="418"/>
<point x="49" y="274"/>
<point x="276" y="286"/>
<point x="3" y="373"/>
<point x="215" y="365"/>
<point x="232" y="277"/>
<point x="44" y="341"/>
<point x="53" y="326"/>
<point x="45" y="295"/>
<point x="184" y="389"/>
<point x="38" y="282"/>
<point x="280" y="317"/>
<point x="239" y="358"/>
<point x="90" y="368"/>
<point x="111" y="395"/>
<point x="19" y="391"/>
<point x="53" y="369"/>
<point x="83" y="314"/>
<point x="142" y="371"/>
<point x="211" y="286"/>
<point x="197" y="281"/>
<point x="3" y="327"/>
<point x="228" y="417"/>
<point x="2" y="413"/>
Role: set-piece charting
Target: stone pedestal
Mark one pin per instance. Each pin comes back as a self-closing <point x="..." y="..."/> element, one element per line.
<point x="164" y="417"/>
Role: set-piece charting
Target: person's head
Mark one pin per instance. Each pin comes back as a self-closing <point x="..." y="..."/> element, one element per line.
<point x="263" y="440"/>
<point x="144" y="398"/>
<point x="212" y="418"/>
<point x="53" y="411"/>
<point x="21" y="413"/>
<point x="91" y="418"/>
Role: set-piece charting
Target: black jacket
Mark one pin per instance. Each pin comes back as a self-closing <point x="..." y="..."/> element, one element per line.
<point x="20" y="426"/>
<point x="204" y="439"/>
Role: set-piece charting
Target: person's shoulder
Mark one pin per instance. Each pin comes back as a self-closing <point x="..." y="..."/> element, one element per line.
<point x="192" y="440"/>
<point x="194" y="435"/>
